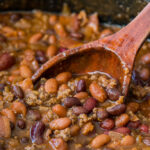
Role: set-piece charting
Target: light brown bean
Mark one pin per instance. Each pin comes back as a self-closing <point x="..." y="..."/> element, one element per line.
<point x="128" y="140"/>
<point x="63" y="87"/>
<point x="35" y="38"/>
<point x="25" y="71"/>
<point x="60" y="30"/>
<point x="97" y="92"/>
<point x="52" y="39"/>
<point x="81" y="95"/>
<point x="87" y="128"/>
<point x="74" y="130"/>
<point x="51" y="86"/>
<point x="26" y="84"/>
<point x="51" y="51"/>
<point x="122" y="120"/>
<point x="9" y="114"/>
<point x="52" y="19"/>
<point x="19" y="108"/>
<point x="59" y="110"/>
<point x="63" y="77"/>
<point x="100" y="140"/>
<point x="59" y="124"/>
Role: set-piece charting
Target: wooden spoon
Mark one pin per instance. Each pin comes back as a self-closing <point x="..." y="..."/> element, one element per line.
<point x="114" y="54"/>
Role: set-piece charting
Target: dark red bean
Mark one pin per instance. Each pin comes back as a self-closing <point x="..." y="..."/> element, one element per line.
<point x="40" y="57"/>
<point x="15" y="17"/>
<point x="144" y="74"/>
<point x="62" y="49"/>
<point x="21" y="124"/>
<point x="117" y="109"/>
<point x="2" y="86"/>
<point x="146" y="141"/>
<point x="107" y="124"/>
<point x="71" y="101"/>
<point x="6" y="61"/>
<point x="18" y="92"/>
<point x="90" y="104"/>
<point x="77" y="35"/>
<point x="144" y="128"/>
<point x="34" y="115"/>
<point x="36" y="132"/>
<point x="113" y="94"/>
<point x="81" y="86"/>
<point x="24" y="140"/>
<point x="2" y="38"/>
<point x="102" y="114"/>
<point x="123" y="130"/>
<point x="79" y="110"/>
<point x="134" y="124"/>
<point x="145" y="59"/>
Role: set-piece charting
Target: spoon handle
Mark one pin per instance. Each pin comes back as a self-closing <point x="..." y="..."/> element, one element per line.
<point x="129" y="39"/>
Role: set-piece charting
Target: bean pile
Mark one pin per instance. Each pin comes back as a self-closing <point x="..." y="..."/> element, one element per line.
<point x="66" y="111"/>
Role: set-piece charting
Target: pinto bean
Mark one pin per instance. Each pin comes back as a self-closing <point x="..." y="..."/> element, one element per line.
<point x="5" y="130"/>
<point x="79" y="110"/>
<point x="113" y="94"/>
<point x="71" y="101"/>
<point x="123" y="130"/>
<point x="107" y="124"/>
<point x="145" y="59"/>
<point x="63" y="77"/>
<point x="100" y="140"/>
<point x="18" y="91"/>
<point x="81" y="95"/>
<point x="122" y="120"/>
<point x="102" y="114"/>
<point x="51" y="51"/>
<point x="87" y="128"/>
<point x="35" y="38"/>
<point x="81" y="86"/>
<point x="59" y="110"/>
<point x="9" y="114"/>
<point x="6" y="61"/>
<point x="128" y="140"/>
<point x="117" y="109"/>
<point x="25" y="71"/>
<point x="97" y="92"/>
<point x="146" y="141"/>
<point x="19" y="108"/>
<point x="133" y="106"/>
<point x="58" y="144"/>
<point x="59" y="124"/>
<point x="51" y="86"/>
<point x="89" y="104"/>
<point x="74" y="130"/>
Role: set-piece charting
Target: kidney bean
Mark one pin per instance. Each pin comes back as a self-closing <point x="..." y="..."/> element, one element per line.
<point x="15" y="17"/>
<point x="40" y="56"/>
<point x="36" y="132"/>
<point x="71" y="101"/>
<point x="123" y="130"/>
<point x="117" y="109"/>
<point x="79" y="110"/>
<point x="107" y="124"/>
<point x="87" y="128"/>
<point x="34" y="115"/>
<point x="63" y="77"/>
<point x="128" y="140"/>
<point x="6" y="61"/>
<point x="18" y="92"/>
<point x="143" y="128"/>
<point x="19" y="108"/>
<point x="134" y="124"/>
<point x="51" y="51"/>
<point x="2" y="86"/>
<point x="97" y="92"/>
<point x="81" y="86"/>
<point x="5" y="130"/>
<point x="122" y="120"/>
<point x="144" y="74"/>
<point x="90" y="104"/>
<point x="74" y="130"/>
<point x="102" y="114"/>
<point x="62" y="49"/>
<point x="9" y="114"/>
<point x="24" y="140"/>
<point x="59" y="110"/>
<point x="59" y="124"/>
<point x="51" y="86"/>
<point x="25" y="71"/>
<point x="146" y="141"/>
<point x="58" y="144"/>
<point x="113" y="94"/>
<point x="2" y="38"/>
<point x="133" y="106"/>
<point x="100" y="140"/>
<point x="77" y="35"/>
<point x="21" y="124"/>
<point x="35" y="38"/>
<point x="145" y="59"/>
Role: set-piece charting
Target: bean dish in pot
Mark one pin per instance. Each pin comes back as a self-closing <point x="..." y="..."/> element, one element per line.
<point x="66" y="111"/>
